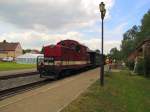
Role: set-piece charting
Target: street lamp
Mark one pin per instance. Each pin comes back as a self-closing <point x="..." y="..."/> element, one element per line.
<point x="103" y="12"/>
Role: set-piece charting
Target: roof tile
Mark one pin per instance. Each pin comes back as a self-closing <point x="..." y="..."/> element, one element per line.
<point x="8" y="46"/>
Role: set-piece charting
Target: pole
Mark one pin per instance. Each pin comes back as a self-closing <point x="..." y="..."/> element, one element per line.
<point x="102" y="66"/>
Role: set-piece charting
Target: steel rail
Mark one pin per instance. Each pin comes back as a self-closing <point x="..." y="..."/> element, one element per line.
<point x="18" y="75"/>
<point x="16" y="90"/>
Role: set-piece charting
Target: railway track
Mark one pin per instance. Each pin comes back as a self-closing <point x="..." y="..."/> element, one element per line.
<point x="22" y="88"/>
<point x="16" y="90"/>
<point x="5" y="77"/>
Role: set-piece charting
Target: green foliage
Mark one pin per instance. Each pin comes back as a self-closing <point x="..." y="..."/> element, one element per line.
<point x="128" y="43"/>
<point x="97" y="50"/>
<point x="130" y="64"/>
<point x="26" y="51"/>
<point x="147" y="66"/>
<point x="121" y="93"/>
<point x="134" y="36"/>
<point x="139" y="67"/>
<point x="144" y="29"/>
<point x="145" y="32"/>
<point x="6" y="66"/>
<point x="131" y="39"/>
<point x="115" y="54"/>
<point x="42" y="50"/>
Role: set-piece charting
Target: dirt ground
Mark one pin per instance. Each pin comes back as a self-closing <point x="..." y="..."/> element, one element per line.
<point x="52" y="97"/>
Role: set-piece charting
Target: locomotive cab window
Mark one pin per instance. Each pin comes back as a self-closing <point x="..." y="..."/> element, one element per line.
<point x="62" y="43"/>
<point x="72" y="46"/>
<point x="78" y="48"/>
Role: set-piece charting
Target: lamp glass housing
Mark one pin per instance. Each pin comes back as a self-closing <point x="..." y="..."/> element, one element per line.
<point x="102" y="7"/>
<point x="104" y="12"/>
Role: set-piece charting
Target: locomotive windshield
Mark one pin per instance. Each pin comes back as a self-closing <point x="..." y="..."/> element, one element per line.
<point x="62" y="43"/>
<point x="78" y="48"/>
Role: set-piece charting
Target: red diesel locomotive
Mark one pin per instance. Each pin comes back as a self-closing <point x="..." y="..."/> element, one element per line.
<point x="66" y="56"/>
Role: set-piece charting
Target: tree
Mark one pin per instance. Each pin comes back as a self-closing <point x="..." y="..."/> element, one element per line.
<point x="144" y="29"/>
<point x="146" y="24"/>
<point x="132" y="38"/>
<point x="42" y="50"/>
<point x="97" y="50"/>
<point x="26" y="51"/>
<point x="115" y="54"/>
<point x="128" y="43"/>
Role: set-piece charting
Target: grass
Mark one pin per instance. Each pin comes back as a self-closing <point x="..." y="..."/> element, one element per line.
<point x="6" y="66"/>
<point x="121" y="93"/>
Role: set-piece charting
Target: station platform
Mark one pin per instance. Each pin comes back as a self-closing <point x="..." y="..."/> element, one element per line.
<point x="52" y="97"/>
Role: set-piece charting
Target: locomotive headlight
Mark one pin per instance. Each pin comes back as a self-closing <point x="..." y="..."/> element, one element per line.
<point x="58" y="63"/>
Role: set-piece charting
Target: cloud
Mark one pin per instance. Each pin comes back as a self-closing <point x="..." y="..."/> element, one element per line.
<point x="95" y="43"/>
<point x="116" y="32"/>
<point x="35" y="40"/>
<point x="51" y="14"/>
<point x="44" y="22"/>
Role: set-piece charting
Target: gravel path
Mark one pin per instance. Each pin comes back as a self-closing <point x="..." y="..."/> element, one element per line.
<point x="51" y="97"/>
<point x="19" y="81"/>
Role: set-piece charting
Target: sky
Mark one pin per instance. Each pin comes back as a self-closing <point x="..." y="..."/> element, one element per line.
<point x="37" y="23"/>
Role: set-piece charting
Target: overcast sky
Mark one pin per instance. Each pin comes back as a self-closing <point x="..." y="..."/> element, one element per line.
<point x="35" y="23"/>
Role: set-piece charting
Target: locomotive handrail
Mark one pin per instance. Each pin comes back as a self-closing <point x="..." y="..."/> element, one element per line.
<point x="39" y="57"/>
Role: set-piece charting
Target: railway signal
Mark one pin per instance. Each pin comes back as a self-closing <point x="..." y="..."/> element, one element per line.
<point x="103" y="12"/>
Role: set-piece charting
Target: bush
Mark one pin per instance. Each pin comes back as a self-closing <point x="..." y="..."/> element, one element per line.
<point x="130" y="64"/>
<point x="139" y="66"/>
<point x="147" y="66"/>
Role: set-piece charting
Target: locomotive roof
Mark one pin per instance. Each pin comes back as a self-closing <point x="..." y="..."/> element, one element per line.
<point x="71" y="41"/>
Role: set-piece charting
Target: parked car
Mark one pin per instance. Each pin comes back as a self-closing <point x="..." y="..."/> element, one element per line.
<point x="8" y="59"/>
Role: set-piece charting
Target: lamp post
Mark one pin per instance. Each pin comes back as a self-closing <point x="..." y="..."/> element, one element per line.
<point x="103" y="12"/>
